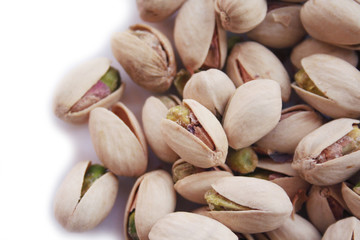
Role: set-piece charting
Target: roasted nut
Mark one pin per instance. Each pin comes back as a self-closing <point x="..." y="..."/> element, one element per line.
<point x="346" y="229"/>
<point x="155" y="10"/>
<point x="243" y="160"/>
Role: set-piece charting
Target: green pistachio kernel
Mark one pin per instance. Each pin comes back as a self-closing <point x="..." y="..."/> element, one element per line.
<point x="260" y="173"/>
<point x="219" y="203"/>
<point x="180" y="80"/>
<point x="179" y="114"/>
<point x="131" y="226"/>
<point x="183" y="170"/>
<point x="112" y="79"/>
<point x="93" y="173"/>
<point x="303" y="80"/>
<point x="243" y="161"/>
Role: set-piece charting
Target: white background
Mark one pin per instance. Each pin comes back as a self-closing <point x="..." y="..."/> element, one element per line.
<point x="40" y="41"/>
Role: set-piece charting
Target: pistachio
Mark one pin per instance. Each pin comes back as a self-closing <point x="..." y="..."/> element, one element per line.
<point x="351" y="196"/>
<point x="180" y="171"/>
<point x="181" y="78"/>
<point x="155" y="10"/>
<point x="303" y="80"/>
<point x="93" y="173"/>
<point x="347" y="229"/>
<point x="219" y="203"/>
<point x="243" y="160"/>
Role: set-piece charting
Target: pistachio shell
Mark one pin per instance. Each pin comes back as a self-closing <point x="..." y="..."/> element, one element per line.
<point x="312" y="46"/>
<point x="290" y="130"/>
<point x="351" y="199"/>
<point x="321" y="23"/>
<point x="144" y="64"/>
<point x="252" y="104"/>
<point x="157" y="10"/>
<point x="153" y="196"/>
<point x="189" y="226"/>
<point x="191" y="148"/>
<point x="81" y="214"/>
<point x="76" y="83"/>
<point x="330" y="172"/>
<point x="271" y="165"/>
<point x="152" y="113"/>
<point x="338" y="80"/>
<point x="258" y="62"/>
<point x="118" y="140"/>
<point x="240" y="16"/>
<point x="281" y="28"/>
<point x="193" y="187"/>
<point x="346" y="229"/>
<point x="211" y="88"/>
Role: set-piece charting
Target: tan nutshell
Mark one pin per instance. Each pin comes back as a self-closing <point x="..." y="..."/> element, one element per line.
<point x="251" y="60"/>
<point x="157" y="10"/>
<point x="76" y="213"/>
<point x="118" y="140"/>
<point x="351" y="199"/>
<point x="346" y="229"/>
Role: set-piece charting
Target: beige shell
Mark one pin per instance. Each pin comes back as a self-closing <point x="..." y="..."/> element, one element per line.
<point x="193" y="187"/>
<point x="191" y="148"/>
<point x="345" y="229"/>
<point x="296" y="122"/>
<point x="157" y="10"/>
<point x="82" y="214"/>
<point x="321" y="23"/>
<point x="281" y="28"/>
<point x="144" y="64"/>
<point x="152" y="113"/>
<point x="338" y="80"/>
<point x="152" y="196"/>
<point x="241" y="15"/>
<point x="258" y="62"/>
<point x="189" y="226"/>
<point x="312" y="46"/>
<point x="118" y="140"/>
<point x="269" y="202"/>
<point x="194" y="40"/>
<point x="76" y="83"/>
<point x="318" y="208"/>
<point x="253" y="104"/>
<point x="211" y="88"/>
<point x="330" y="172"/>
<point x="351" y="199"/>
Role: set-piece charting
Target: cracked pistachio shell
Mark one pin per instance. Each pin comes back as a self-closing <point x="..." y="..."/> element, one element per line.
<point x="189" y="147"/>
<point x="318" y="208"/>
<point x="321" y="23"/>
<point x="152" y="196"/>
<point x="189" y="226"/>
<point x="118" y="140"/>
<point x="338" y="80"/>
<point x="240" y="16"/>
<point x="193" y="41"/>
<point x="76" y="83"/>
<point x="251" y="60"/>
<point x="193" y="187"/>
<point x="157" y="10"/>
<point x="346" y="229"/>
<point x="154" y="110"/>
<point x="281" y="27"/>
<point x="312" y="46"/>
<point x="211" y="88"/>
<point x="147" y="67"/>
<point x="332" y="171"/>
<point x="351" y="199"/>
<point x="270" y="206"/>
<point x="295" y="123"/>
<point x="253" y="104"/>
<point x="81" y="214"/>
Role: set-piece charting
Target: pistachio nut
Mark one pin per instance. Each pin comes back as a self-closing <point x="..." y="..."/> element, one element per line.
<point x="181" y="78"/>
<point x="295" y="123"/>
<point x="325" y="206"/>
<point x="281" y="27"/>
<point x="319" y="21"/>
<point x="329" y="154"/>
<point x="92" y="84"/>
<point x="211" y="88"/>
<point x="192" y="182"/>
<point x="85" y="197"/>
<point x="351" y="197"/>
<point x="330" y="85"/>
<point x="240" y="16"/>
<point x="243" y="160"/>
<point x="155" y="10"/>
<point x="118" y="140"/>
<point x="195" y="134"/>
<point x="152" y="197"/>
<point x="189" y="226"/>
<point x="346" y="229"/>
<point x="203" y="44"/>
<point x="251" y="60"/>
<point x="312" y="46"/>
<point x="146" y="55"/>
<point x="252" y="104"/>
<point x="154" y="110"/>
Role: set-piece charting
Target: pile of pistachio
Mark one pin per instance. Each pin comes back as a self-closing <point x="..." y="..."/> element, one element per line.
<point x="265" y="162"/>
